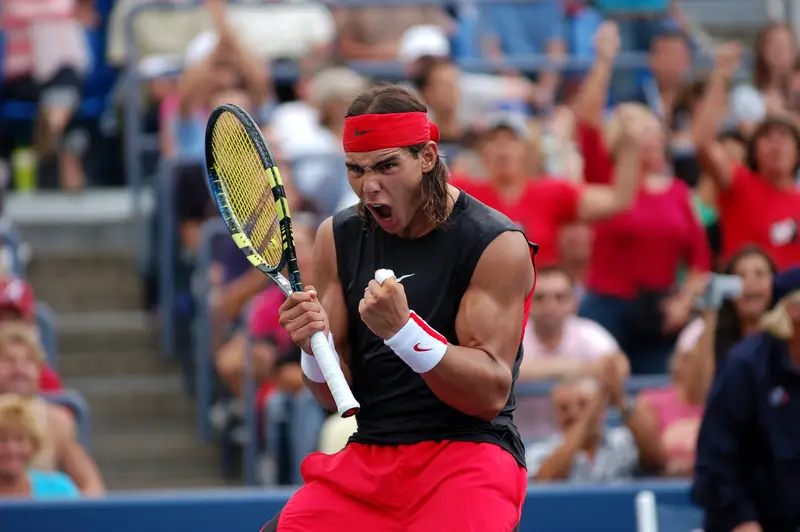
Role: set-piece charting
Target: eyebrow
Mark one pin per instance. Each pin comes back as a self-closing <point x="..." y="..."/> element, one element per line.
<point x="379" y="162"/>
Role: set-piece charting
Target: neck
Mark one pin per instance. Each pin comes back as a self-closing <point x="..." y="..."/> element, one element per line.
<point x="749" y="326"/>
<point x="781" y="180"/>
<point x="549" y="337"/>
<point x="577" y="270"/>
<point x="509" y="188"/>
<point x="421" y="224"/>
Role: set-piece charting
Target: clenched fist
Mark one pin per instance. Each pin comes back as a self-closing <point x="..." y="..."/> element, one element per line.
<point x="384" y="308"/>
<point x="302" y="315"/>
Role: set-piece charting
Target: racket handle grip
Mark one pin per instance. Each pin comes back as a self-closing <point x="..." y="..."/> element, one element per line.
<point x="346" y="404"/>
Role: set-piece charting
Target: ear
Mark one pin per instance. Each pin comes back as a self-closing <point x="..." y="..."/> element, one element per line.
<point x="429" y="155"/>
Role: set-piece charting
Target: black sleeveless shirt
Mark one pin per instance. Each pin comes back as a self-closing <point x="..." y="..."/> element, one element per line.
<point x="397" y="407"/>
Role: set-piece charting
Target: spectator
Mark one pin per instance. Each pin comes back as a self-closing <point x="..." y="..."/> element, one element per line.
<point x="18" y="304"/>
<point x="44" y="61"/>
<point x="722" y="328"/>
<point x="437" y="82"/>
<point x="220" y="70"/>
<point x="672" y="414"/>
<point x="317" y="156"/>
<point x="544" y="205"/>
<point x="375" y="32"/>
<point x="20" y="441"/>
<point x="558" y="345"/>
<point x="758" y="202"/>
<point x="478" y="93"/>
<point x="586" y="450"/>
<point x="21" y="358"/>
<point x="632" y="282"/>
<point x="670" y="63"/>
<point x="746" y="476"/>
<point x="575" y="250"/>
<point x="769" y="93"/>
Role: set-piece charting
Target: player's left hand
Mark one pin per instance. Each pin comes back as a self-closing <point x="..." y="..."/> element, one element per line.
<point x="384" y="308"/>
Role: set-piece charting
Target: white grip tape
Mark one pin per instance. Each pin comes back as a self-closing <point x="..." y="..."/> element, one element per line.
<point x="418" y="344"/>
<point x="382" y="275"/>
<point x="328" y="362"/>
<point x="310" y="366"/>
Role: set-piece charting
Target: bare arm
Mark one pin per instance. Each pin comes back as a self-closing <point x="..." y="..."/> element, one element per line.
<point x="558" y="465"/>
<point x="331" y="295"/>
<point x="252" y="70"/>
<point x="475" y="376"/>
<point x="550" y="368"/>
<point x="598" y="202"/>
<point x="710" y="115"/>
<point x="703" y="361"/>
<point x="72" y="457"/>
<point x="593" y="95"/>
<point x="641" y="422"/>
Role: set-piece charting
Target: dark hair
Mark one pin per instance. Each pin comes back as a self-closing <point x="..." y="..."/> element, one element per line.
<point x="761" y="73"/>
<point x="386" y="99"/>
<point x="668" y="34"/>
<point x="729" y="326"/>
<point x="765" y="127"/>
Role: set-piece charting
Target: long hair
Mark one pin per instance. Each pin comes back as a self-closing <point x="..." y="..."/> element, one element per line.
<point x="761" y="71"/>
<point x="729" y="326"/>
<point x="387" y="99"/>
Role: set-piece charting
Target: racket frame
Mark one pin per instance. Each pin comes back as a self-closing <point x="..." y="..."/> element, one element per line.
<point x="345" y="402"/>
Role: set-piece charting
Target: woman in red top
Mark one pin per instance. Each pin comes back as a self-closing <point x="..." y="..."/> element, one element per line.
<point x="632" y="280"/>
<point x="759" y="203"/>
<point x="543" y="206"/>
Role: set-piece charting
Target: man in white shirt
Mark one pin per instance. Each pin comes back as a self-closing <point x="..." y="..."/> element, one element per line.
<point x="558" y="345"/>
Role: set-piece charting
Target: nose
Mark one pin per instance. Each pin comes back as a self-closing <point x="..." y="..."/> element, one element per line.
<point x="371" y="184"/>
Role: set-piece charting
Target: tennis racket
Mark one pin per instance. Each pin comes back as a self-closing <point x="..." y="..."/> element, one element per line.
<point x="247" y="186"/>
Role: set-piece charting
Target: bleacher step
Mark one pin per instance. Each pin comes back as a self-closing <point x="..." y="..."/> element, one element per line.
<point x="76" y="281"/>
<point x="135" y="397"/>
<point x="168" y="483"/>
<point x="107" y="342"/>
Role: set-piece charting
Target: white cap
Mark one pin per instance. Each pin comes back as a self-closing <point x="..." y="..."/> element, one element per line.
<point x="158" y="66"/>
<point x="421" y="41"/>
<point x="201" y="47"/>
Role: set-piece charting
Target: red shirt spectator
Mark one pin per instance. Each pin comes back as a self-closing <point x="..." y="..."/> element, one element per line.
<point x="542" y="206"/>
<point x="542" y="209"/>
<point x="755" y="211"/>
<point x="644" y="247"/>
<point x="49" y="381"/>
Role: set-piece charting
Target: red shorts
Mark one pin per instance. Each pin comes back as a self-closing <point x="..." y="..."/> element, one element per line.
<point x="425" y="487"/>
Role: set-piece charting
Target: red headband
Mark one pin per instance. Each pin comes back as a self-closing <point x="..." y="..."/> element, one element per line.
<point x="394" y="130"/>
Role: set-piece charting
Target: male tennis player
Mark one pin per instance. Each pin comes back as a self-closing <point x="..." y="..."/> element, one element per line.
<point x="432" y="360"/>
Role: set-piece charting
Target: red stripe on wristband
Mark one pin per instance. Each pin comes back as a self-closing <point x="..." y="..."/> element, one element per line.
<point x="427" y="328"/>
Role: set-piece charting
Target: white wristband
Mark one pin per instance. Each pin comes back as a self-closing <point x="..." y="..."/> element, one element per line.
<point x="310" y="366"/>
<point x="418" y="344"/>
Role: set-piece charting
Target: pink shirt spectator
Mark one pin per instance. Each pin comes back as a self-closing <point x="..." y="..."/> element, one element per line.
<point x="678" y="424"/>
<point x="584" y="341"/>
<point x="262" y="320"/>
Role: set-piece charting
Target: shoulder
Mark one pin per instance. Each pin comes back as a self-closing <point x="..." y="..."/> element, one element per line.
<point x="480" y="219"/>
<point x="749" y="355"/>
<point x="52" y="484"/>
<point x="60" y="420"/>
<point x="594" y="333"/>
<point x="345" y="220"/>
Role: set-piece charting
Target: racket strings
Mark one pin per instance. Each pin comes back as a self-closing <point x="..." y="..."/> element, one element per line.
<point x="247" y="186"/>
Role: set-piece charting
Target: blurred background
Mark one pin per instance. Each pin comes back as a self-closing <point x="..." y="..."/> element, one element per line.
<point x="148" y="352"/>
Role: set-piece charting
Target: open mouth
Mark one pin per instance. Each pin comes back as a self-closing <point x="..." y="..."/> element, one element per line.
<point x="380" y="210"/>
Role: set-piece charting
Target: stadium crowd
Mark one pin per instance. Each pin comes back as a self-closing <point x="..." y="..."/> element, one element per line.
<point x="636" y="185"/>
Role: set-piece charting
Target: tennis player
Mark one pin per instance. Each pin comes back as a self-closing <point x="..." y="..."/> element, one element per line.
<point x="431" y="355"/>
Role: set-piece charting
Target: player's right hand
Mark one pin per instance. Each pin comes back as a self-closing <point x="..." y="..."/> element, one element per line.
<point x="302" y="315"/>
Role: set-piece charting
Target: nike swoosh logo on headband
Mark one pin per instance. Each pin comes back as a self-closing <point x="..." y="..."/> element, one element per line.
<point x="359" y="132"/>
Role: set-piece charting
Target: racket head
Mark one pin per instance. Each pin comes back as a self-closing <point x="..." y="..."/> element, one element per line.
<point x="247" y="187"/>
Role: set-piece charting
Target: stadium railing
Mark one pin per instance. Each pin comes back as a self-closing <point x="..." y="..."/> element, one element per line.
<point x="652" y="516"/>
<point x="202" y="354"/>
<point x="137" y="143"/>
<point x="75" y="402"/>
<point x="551" y="508"/>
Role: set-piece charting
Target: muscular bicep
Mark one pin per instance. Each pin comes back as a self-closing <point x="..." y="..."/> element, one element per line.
<point x="329" y="287"/>
<point x="491" y="314"/>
